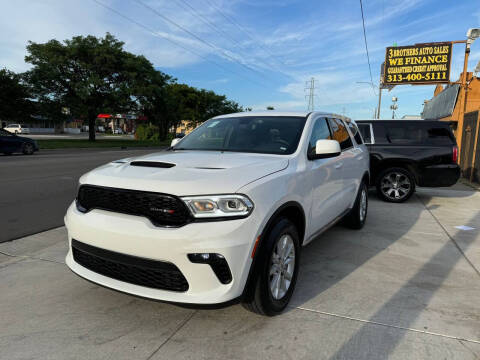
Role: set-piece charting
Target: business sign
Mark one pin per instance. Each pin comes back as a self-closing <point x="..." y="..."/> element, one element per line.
<point x="418" y="64"/>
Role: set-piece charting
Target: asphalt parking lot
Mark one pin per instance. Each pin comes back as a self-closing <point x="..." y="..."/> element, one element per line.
<point x="35" y="191"/>
<point x="407" y="286"/>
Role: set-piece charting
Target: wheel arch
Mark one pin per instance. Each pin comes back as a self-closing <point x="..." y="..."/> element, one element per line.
<point x="291" y="210"/>
<point x="408" y="165"/>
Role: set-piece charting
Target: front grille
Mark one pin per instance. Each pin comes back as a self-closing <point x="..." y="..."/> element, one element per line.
<point x="132" y="269"/>
<point x="160" y="209"/>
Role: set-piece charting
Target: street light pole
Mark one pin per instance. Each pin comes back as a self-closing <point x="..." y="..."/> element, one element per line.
<point x="379" y="102"/>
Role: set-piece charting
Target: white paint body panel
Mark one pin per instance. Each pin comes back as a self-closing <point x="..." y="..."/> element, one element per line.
<point x="323" y="191"/>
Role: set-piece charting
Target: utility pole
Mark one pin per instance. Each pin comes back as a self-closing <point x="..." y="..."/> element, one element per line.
<point x="310" y="86"/>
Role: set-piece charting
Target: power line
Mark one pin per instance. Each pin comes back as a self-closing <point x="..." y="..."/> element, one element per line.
<point x="185" y="5"/>
<point x="245" y="31"/>
<point x="213" y="46"/>
<point x="366" y="47"/>
<point x="154" y="33"/>
<point x="207" y="21"/>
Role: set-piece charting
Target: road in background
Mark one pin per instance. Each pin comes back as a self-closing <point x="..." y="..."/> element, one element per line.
<point x="36" y="190"/>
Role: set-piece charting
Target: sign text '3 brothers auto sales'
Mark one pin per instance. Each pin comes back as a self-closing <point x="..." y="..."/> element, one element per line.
<point x="418" y="64"/>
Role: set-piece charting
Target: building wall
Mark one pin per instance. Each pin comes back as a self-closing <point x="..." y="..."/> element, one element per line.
<point x="473" y="103"/>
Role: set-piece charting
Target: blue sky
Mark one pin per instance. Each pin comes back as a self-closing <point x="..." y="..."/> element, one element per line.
<point x="256" y="52"/>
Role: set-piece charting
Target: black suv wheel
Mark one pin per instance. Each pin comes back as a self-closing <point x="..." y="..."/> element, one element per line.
<point x="395" y="185"/>
<point x="277" y="274"/>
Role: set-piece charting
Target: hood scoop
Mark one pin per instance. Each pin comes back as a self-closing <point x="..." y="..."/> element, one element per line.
<point x="154" y="164"/>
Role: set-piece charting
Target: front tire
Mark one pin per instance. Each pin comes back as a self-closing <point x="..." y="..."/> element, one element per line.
<point x="395" y="185"/>
<point x="28" y="149"/>
<point x="275" y="280"/>
<point x="356" y="218"/>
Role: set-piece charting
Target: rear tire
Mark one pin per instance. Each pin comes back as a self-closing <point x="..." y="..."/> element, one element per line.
<point x="395" y="185"/>
<point x="275" y="280"/>
<point x="356" y="218"/>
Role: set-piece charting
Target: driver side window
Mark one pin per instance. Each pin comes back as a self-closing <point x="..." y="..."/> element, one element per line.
<point x="320" y="131"/>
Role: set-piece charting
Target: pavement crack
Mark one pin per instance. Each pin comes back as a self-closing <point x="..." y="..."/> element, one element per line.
<point x="31" y="257"/>
<point x="183" y="323"/>
<point x="450" y="237"/>
<point x="371" y="322"/>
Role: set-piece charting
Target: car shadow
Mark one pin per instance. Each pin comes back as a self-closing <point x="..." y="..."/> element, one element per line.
<point x="329" y="260"/>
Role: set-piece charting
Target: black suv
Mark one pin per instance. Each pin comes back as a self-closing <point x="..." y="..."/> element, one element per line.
<point x="405" y="153"/>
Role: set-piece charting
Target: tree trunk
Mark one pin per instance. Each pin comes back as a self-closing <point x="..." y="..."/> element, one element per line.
<point x="91" y="127"/>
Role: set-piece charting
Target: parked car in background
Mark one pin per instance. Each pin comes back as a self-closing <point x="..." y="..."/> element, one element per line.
<point x="118" y="131"/>
<point x="407" y="153"/>
<point x="17" y="129"/>
<point x="11" y="143"/>
<point x="223" y="215"/>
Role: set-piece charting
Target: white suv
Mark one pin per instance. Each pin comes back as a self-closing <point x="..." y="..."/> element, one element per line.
<point x="17" y="129"/>
<point x="221" y="217"/>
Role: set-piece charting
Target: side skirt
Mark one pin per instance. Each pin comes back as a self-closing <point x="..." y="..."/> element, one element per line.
<point x="326" y="227"/>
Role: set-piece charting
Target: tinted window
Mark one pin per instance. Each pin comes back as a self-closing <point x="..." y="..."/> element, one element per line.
<point x="356" y="134"/>
<point x="258" y="134"/>
<point x="439" y="136"/>
<point x="340" y="133"/>
<point x="320" y="132"/>
<point x="365" y="131"/>
<point x="405" y="134"/>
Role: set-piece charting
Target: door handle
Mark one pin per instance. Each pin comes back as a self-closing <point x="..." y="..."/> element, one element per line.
<point x="338" y="166"/>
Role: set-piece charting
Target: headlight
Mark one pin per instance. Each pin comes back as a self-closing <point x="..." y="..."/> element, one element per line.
<point x="219" y="206"/>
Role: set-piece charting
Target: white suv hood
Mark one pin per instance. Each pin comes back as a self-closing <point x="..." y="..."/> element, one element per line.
<point x="194" y="173"/>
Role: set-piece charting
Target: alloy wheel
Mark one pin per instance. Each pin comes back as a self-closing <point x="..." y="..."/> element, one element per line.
<point x="363" y="205"/>
<point x="282" y="266"/>
<point x="395" y="185"/>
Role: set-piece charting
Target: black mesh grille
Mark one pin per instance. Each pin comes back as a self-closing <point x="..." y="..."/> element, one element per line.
<point x="161" y="209"/>
<point x="139" y="271"/>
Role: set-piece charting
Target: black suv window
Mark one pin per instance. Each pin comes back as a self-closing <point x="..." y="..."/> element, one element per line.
<point x="320" y="132"/>
<point x="340" y="133"/>
<point x="366" y="132"/>
<point x="405" y="134"/>
<point x="439" y="136"/>
<point x="356" y="134"/>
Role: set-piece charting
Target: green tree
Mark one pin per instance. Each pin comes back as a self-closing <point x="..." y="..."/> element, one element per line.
<point x="15" y="103"/>
<point x="89" y="75"/>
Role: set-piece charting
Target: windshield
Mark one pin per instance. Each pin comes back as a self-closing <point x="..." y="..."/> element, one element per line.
<point x="257" y="134"/>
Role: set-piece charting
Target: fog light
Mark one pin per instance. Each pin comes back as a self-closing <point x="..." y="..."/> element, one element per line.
<point x="217" y="262"/>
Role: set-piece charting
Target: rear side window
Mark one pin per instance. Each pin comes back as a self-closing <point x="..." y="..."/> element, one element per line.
<point x="439" y="136"/>
<point x="419" y="134"/>
<point x="320" y="132"/>
<point x="366" y="133"/>
<point x="356" y="134"/>
<point x="340" y="133"/>
<point x="405" y="134"/>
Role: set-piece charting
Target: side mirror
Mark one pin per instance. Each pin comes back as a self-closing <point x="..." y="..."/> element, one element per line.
<point x="175" y="142"/>
<point x="326" y="149"/>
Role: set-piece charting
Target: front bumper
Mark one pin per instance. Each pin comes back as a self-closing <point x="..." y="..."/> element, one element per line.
<point x="137" y="237"/>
